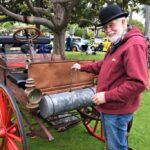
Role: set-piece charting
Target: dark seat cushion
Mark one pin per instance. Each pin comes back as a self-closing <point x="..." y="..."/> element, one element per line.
<point x="18" y="79"/>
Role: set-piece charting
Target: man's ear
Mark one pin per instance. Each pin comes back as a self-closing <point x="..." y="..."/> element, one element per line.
<point x="124" y="21"/>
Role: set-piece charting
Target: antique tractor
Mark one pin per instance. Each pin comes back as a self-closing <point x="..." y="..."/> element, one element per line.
<point x="46" y="90"/>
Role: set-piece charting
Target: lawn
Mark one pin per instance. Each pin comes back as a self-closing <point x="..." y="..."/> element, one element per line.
<point x="78" y="138"/>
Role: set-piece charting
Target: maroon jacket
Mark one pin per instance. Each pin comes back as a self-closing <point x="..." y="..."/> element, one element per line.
<point x="122" y="75"/>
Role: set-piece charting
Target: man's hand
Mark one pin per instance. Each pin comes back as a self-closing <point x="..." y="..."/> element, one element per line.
<point x="76" y="66"/>
<point x="99" y="98"/>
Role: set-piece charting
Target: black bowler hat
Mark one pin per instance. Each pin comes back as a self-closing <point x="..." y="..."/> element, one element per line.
<point x="110" y="13"/>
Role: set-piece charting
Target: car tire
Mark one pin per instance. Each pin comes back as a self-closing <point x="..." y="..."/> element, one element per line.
<point x="92" y="48"/>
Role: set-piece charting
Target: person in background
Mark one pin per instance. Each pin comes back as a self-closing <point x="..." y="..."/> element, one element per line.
<point x="148" y="44"/>
<point x="68" y="43"/>
<point x="121" y="76"/>
<point x="99" y="47"/>
<point x="41" y="48"/>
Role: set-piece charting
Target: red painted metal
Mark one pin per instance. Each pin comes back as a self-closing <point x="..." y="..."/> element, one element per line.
<point x="10" y="136"/>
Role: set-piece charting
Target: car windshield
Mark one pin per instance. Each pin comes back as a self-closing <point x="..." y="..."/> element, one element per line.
<point x="76" y="39"/>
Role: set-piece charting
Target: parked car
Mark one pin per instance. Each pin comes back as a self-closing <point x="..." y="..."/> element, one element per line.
<point x="79" y="44"/>
<point x="98" y="39"/>
<point x="106" y="43"/>
<point x="102" y="45"/>
<point x="96" y="44"/>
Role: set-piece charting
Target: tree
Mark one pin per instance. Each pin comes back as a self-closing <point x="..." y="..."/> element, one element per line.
<point x="55" y="15"/>
<point x="147" y="20"/>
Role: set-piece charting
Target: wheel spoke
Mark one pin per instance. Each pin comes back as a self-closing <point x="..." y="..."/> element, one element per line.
<point x="91" y="120"/>
<point x="87" y="121"/>
<point x="11" y="145"/>
<point x="11" y="132"/>
<point x="12" y="126"/>
<point x="95" y="127"/>
<point x="13" y="136"/>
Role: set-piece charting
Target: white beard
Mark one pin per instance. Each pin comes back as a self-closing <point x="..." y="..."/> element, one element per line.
<point x="115" y="36"/>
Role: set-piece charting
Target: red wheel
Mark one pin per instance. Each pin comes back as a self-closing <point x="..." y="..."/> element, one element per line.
<point x="12" y="135"/>
<point x="91" y="121"/>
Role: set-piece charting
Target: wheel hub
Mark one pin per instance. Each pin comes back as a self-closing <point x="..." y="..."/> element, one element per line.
<point x="13" y="130"/>
<point x="2" y="132"/>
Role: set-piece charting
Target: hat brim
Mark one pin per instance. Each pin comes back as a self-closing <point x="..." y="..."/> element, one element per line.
<point x="114" y="17"/>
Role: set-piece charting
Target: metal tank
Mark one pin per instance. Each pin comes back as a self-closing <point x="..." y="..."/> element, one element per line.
<point x="61" y="102"/>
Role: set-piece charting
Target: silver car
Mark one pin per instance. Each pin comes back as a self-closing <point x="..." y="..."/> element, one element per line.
<point x="79" y="44"/>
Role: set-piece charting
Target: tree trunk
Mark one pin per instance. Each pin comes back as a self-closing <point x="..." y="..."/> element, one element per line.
<point x="130" y="17"/>
<point x="147" y="21"/>
<point x="59" y="45"/>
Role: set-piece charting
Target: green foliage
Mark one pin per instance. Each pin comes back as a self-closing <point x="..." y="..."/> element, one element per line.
<point x="138" y="24"/>
<point x="20" y="6"/>
<point x="89" y="34"/>
<point x="101" y="34"/>
<point x="78" y="31"/>
<point x="6" y="25"/>
<point x="87" y="10"/>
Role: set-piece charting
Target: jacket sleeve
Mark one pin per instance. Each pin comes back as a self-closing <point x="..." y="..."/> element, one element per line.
<point x="135" y="63"/>
<point x="92" y="67"/>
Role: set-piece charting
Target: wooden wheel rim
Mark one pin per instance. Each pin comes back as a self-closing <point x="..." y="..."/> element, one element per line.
<point x="91" y="121"/>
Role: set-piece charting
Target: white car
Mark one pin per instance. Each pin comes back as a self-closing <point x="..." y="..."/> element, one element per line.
<point x="79" y="44"/>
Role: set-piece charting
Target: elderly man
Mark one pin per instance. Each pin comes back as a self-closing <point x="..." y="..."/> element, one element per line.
<point x="122" y="76"/>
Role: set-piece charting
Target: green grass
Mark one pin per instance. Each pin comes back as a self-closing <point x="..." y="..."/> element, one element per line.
<point x="71" y="139"/>
<point x="83" y="56"/>
<point x="139" y="136"/>
<point x="78" y="138"/>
